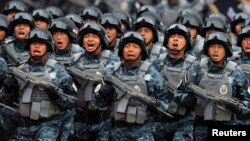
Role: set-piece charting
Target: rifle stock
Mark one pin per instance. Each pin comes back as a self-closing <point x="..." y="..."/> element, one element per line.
<point x="38" y="81"/>
<point x="126" y="89"/>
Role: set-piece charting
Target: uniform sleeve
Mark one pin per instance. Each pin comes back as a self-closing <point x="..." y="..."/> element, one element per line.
<point x="65" y="80"/>
<point x="156" y="88"/>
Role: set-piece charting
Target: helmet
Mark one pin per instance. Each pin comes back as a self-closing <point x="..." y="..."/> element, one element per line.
<point x="245" y="32"/>
<point x="42" y="14"/>
<point x="42" y="35"/>
<point x="178" y="29"/>
<point x="220" y="38"/>
<point x="15" y="5"/>
<point x="238" y="18"/>
<point x="182" y="13"/>
<point x="156" y="17"/>
<point x="145" y="8"/>
<point x="213" y="24"/>
<point x="221" y="18"/>
<point x="91" y="13"/>
<point x="124" y="17"/>
<point x="190" y="19"/>
<point x="76" y="19"/>
<point x="64" y="25"/>
<point x="21" y="17"/>
<point x="54" y="11"/>
<point x="4" y="22"/>
<point x="147" y="22"/>
<point x="109" y="20"/>
<point x="94" y="28"/>
<point x="133" y="37"/>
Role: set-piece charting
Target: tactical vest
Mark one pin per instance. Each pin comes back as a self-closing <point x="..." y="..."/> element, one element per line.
<point x="220" y="84"/>
<point x="174" y="75"/>
<point x="75" y="54"/>
<point x="156" y="53"/>
<point x="86" y="91"/>
<point x="134" y="111"/>
<point x="14" y="57"/>
<point x="34" y="101"/>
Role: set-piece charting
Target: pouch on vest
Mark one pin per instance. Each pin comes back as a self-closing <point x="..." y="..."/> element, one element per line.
<point x="131" y="114"/>
<point x="35" y="110"/>
<point x="122" y="105"/>
<point x="141" y="115"/>
<point x="118" y="116"/>
<point x="45" y="109"/>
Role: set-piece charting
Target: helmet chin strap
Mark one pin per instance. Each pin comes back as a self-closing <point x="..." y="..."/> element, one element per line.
<point x="176" y="51"/>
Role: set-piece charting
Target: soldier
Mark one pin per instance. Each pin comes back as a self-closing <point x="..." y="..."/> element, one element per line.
<point x="13" y="7"/>
<point x="77" y="20"/>
<point x="146" y="26"/>
<point x="192" y="22"/>
<point x="173" y="68"/>
<point x="40" y="105"/>
<point x="42" y="18"/>
<point x="4" y="28"/>
<point x="132" y="120"/>
<point x="91" y="14"/>
<point x="20" y="26"/>
<point x="214" y="74"/>
<point x="64" y="32"/>
<point x="113" y="28"/>
<point x="91" y="122"/>
<point x="125" y="19"/>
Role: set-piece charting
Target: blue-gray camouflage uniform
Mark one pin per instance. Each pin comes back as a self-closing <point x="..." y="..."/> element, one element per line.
<point x="227" y="80"/>
<point x="91" y="122"/>
<point x="134" y="120"/>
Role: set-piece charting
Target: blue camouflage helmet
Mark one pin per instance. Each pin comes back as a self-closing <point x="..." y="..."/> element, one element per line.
<point x="21" y="17"/>
<point x="96" y="29"/>
<point x="55" y="12"/>
<point x="110" y="20"/>
<point x="4" y="23"/>
<point x="238" y="18"/>
<point x="220" y="38"/>
<point x="124" y="17"/>
<point x="16" y="6"/>
<point x="190" y="19"/>
<point x="42" y="14"/>
<point x="133" y="37"/>
<point x="213" y="24"/>
<point x="65" y="25"/>
<point x="221" y="18"/>
<point x="145" y="8"/>
<point x="41" y="35"/>
<point x="144" y="21"/>
<point x="181" y="30"/>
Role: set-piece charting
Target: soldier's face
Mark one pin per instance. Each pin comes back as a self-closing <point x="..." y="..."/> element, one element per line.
<point x="176" y="45"/>
<point x="147" y="34"/>
<point x="217" y="53"/>
<point x="41" y="24"/>
<point x="131" y="52"/>
<point x="2" y="35"/>
<point x="61" y="40"/>
<point x="10" y="15"/>
<point x="38" y="49"/>
<point x="21" y="31"/>
<point x="238" y="28"/>
<point x="245" y="44"/>
<point x="111" y="33"/>
<point x="92" y="43"/>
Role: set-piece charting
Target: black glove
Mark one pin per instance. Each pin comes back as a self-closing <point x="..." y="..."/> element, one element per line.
<point x="184" y="86"/>
<point x="52" y="93"/>
<point x="235" y="109"/>
<point x="106" y="91"/>
<point x="10" y="84"/>
<point x="189" y="100"/>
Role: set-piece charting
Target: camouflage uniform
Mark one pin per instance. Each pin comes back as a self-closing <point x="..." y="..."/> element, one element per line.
<point x="227" y="80"/>
<point x="128" y="125"/>
<point x="4" y="26"/>
<point x="34" y="123"/>
<point x="91" y="122"/>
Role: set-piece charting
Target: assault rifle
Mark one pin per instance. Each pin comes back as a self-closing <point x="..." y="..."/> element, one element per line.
<point x="209" y="95"/>
<point x="84" y="74"/>
<point x="245" y="68"/>
<point x="132" y="92"/>
<point x="26" y="77"/>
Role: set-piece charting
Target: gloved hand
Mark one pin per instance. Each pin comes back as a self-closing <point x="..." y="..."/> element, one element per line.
<point x="10" y="84"/>
<point x="106" y="91"/>
<point x="52" y="93"/>
<point x="184" y="86"/>
<point x="189" y="100"/>
<point x="234" y="109"/>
